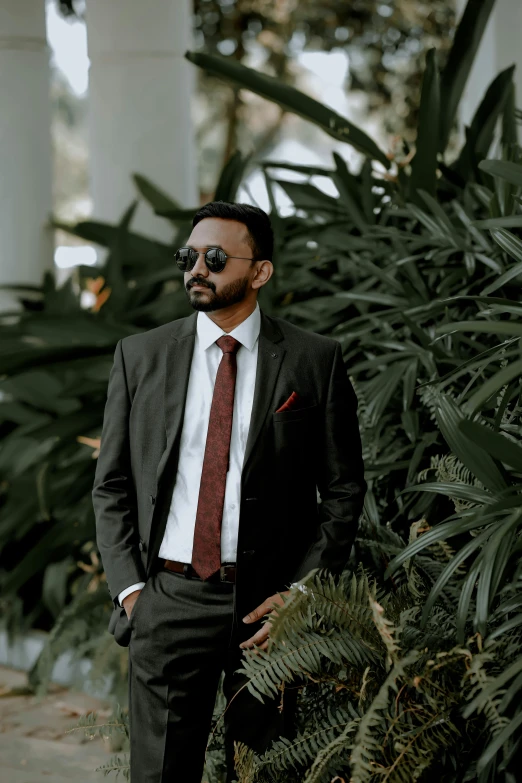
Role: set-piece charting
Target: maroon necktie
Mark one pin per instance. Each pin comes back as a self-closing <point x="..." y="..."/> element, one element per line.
<point x="206" y="549"/>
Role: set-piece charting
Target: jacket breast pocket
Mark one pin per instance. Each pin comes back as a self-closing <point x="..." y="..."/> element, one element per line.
<point x="299" y="414"/>
<point x="293" y="433"/>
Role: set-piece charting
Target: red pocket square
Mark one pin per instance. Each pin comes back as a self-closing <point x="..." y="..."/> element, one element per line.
<point x="290" y="403"/>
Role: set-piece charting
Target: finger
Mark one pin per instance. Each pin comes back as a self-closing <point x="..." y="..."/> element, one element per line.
<point x="256" y="648"/>
<point x="250" y="642"/>
<point x="256" y="613"/>
<point x="257" y="638"/>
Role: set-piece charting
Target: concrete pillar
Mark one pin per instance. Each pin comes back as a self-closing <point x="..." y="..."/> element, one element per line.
<point x="500" y="47"/>
<point x="26" y="246"/>
<point x="140" y="89"/>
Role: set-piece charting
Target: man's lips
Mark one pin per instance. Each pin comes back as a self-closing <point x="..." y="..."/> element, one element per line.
<point x="199" y="287"/>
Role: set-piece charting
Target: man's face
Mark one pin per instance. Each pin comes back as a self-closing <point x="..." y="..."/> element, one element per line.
<point x="232" y="285"/>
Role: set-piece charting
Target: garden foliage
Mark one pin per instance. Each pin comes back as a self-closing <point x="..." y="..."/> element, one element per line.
<point x="409" y="665"/>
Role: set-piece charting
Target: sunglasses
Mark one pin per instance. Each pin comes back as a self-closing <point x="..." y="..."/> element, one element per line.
<point x="215" y="258"/>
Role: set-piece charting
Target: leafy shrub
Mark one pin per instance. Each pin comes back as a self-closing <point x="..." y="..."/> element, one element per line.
<point x="414" y="267"/>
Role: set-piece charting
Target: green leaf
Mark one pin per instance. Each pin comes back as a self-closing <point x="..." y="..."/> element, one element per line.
<point x="424" y="163"/>
<point x="502" y="737"/>
<point x="480" y="134"/>
<point x="368" y="198"/>
<point x="504" y="169"/>
<point x="321" y="171"/>
<point x="460" y="61"/>
<point x="139" y="250"/>
<point x="42" y="389"/>
<point x="54" y="588"/>
<point x="509" y="137"/>
<point x="157" y="198"/>
<point x="466" y="551"/>
<point x="465" y="600"/>
<point x="508" y="242"/>
<point x="177" y="215"/>
<point x="479" y="462"/>
<point x="453" y="490"/>
<point x="388" y="381"/>
<point x="121" y="294"/>
<point x="374" y="297"/>
<point x="500" y="447"/>
<point x="493" y="385"/>
<point x="510" y="328"/>
<point x="308" y="197"/>
<point x="494" y="556"/>
<point x="440" y="532"/>
<point x="290" y="99"/>
<point x="510" y="221"/>
<point x="350" y="192"/>
<point x="231" y="176"/>
<point x="440" y="216"/>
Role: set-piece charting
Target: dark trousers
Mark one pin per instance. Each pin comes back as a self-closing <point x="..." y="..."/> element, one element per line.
<point x="184" y="634"/>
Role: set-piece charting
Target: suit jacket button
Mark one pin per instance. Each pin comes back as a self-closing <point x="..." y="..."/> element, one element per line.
<point x="152" y="499"/>
<point x="141" y="546"/>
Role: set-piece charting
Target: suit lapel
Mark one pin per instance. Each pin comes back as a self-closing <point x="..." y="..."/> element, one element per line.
<point x="177" y="359"/>
<point x="270" y="355"/>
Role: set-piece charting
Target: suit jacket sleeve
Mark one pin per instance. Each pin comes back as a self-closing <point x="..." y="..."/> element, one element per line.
<point x="114" y="494"/>
<point x="340" y="476"/>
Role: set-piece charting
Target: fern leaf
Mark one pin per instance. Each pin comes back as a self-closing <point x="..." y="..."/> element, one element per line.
<point x="367" y="744"/>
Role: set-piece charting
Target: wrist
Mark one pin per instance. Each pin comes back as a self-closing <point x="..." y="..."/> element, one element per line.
<point x="131" y="597"/>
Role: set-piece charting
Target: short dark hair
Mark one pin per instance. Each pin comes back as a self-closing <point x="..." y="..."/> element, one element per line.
<point x="261" y="235"/>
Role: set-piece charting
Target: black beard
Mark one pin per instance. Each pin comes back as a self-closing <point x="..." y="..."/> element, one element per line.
<point x="207" y="301"/>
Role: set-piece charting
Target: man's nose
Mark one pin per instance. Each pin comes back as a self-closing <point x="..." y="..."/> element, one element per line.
<point x="200" y="268"/>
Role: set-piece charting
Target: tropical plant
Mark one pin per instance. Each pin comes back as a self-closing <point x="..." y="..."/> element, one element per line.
<point x="388" y="695"/>
<point x="413" y="267"/>
<point x="421" y="288"/>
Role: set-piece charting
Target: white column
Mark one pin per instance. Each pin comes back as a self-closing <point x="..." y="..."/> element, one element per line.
<point x="26" y="246"/>
<point x="140" y="89"/>
<point x="500" y="47"/>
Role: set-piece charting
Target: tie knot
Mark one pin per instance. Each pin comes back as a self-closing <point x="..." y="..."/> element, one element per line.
<point x="228" y="344"/>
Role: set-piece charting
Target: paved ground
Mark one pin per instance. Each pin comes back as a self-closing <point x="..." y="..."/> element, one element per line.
<point x="33" y="744"/>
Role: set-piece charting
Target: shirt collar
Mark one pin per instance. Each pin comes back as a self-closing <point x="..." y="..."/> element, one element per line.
<point x="246" y="332"/>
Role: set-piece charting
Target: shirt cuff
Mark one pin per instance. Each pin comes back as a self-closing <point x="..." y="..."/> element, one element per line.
<point x="302" y="588"/>
<point x="129" y="590"/>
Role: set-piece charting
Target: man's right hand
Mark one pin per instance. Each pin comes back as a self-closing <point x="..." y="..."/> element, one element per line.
<point x="129" y="601"/>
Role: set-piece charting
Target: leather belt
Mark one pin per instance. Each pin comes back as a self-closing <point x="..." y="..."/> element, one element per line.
<point x="226" y="573"/>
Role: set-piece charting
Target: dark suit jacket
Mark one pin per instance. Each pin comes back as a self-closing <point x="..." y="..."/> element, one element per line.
<point x="283" y="531"/>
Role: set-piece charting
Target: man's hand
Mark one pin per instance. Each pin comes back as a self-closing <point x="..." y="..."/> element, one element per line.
<point x="261" y="637"/>
<point x="129" y="601"/>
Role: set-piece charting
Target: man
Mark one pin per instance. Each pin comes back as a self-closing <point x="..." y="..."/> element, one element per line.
<point x="218" y="430"/>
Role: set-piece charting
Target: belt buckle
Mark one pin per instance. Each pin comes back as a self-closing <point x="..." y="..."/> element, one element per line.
<point x="222" y="574"/>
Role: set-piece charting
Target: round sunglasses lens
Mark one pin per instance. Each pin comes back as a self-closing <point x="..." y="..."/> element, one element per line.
<point x="185" y="258"/>
<point x="216" y="258"/>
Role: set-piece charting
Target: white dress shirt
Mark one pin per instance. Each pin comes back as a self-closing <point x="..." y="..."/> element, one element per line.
<point x="179" y="532"/>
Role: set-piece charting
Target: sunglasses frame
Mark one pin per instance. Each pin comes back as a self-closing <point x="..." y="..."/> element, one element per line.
<point x="217" y="266"/>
